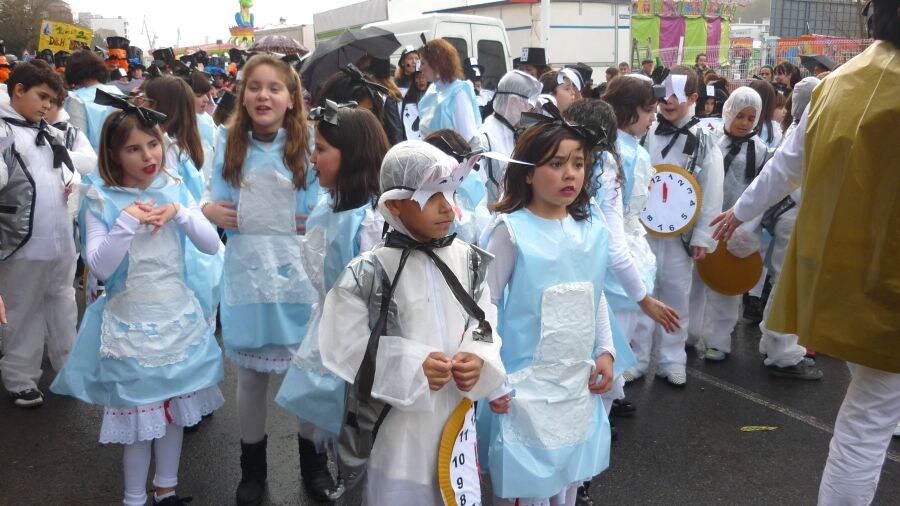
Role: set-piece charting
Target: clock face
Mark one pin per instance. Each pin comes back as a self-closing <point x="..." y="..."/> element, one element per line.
<point x="674" y="202"/>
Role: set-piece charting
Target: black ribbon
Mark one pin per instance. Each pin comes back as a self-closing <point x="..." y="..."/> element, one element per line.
<point x="590" y="136"/>
<point x="45" y="138"/>
<point x="505" y="122"/>
<point x="459" y="157"/>
<point x="666" y="127"/>
<point x="357" y="77"/>
<point x="328" y="112"/>
<point x="147" y="117"/>
<point x="735" y="148"/>
<point x="365" y="377"/>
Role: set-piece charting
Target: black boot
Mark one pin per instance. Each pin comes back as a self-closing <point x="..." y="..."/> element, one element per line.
<point x="252" y="487"/>
<point x="314" y="471"/>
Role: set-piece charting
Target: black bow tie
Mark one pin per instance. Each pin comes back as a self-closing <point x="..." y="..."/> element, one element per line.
<point x="396" y="239"/>
<point x="44" y="138"/>
<point x="735" y="148"/>
<point x="666" y="127"/>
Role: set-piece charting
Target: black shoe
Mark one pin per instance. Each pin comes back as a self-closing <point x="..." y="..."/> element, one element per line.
<point x="621" y="407"/>
<point x="583" y="498"/>
<point x="173" y="500"/>
<point x="314" y="472"/>
<point x="753" y="309"/>
<point x="801" y="371"/>
<point x="31" y="398"/>
<point x="252" y="488"/>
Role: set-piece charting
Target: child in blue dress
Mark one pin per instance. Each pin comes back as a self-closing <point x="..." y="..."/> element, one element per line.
<point x="144" y="349"/>
<point x="349" y="147"/>
<point x="545" y="432"/>
<point x="262" y="192"/>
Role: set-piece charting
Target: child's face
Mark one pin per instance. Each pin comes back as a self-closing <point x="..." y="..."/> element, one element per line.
<point x="783" y="78"/>
<point x="200" y="102"/>
<point x="421" y="82"/>
<point x="674" y="111"/>
<point x="645" y="117"/>
<point x="742" y="124"/>
<point x="140" y="158"/>
<point x="565" y="94"/>
<point x="557" y="183"/>
<point x="430" y="222"/>
<point x="709" y="105"/>
<point x="266" y="99"/>
<point x="326" y="161"/>
<point x="33" y="104"/>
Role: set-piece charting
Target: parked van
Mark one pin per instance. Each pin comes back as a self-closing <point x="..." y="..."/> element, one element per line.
<point x="478" y="36"/>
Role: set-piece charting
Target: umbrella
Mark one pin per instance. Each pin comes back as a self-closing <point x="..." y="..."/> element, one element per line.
<point x="281" y="44"/>
<point x="335" y="53"/>
<point x="810" y="61"/>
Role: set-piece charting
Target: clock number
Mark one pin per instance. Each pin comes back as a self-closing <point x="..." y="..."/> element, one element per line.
<point x="459" y="483"/>
<point x="657" y="179"/>
<point x="660" y="227"/>
<point x="690" y="190"/>
<point x="462" y="500"/>
<point x="671" y="228"/>
<point x="459" y="460"/>
<point x="683" y="216"/>
<point x="681" y="182"/>
<point x="693" y="203"/>
<point x="671" y="177"/>
<point x="649" y="217"/>
<point x="464" y="436"/>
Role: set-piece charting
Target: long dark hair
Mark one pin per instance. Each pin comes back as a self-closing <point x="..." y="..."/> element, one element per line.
<point x="108" y="166"/>
<point x="174" y="98"/>
<point x="767" y="93"/>
<point x="538" y="145"/>
<point x="363" y="144"/>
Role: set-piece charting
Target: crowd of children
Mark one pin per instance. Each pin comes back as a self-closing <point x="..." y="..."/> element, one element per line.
<point x="501" y="260"/>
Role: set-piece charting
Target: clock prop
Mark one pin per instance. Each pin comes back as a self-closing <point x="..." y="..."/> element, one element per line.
<point x="458" y="476"/>
<point x="673" y="205"/>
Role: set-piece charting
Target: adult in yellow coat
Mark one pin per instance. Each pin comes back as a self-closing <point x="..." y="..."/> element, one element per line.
<point x="840" y="285"/>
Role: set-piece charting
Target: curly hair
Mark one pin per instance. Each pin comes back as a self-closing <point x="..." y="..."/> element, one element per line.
<point x="443" y="58"/>
<point x="85" y="66"/>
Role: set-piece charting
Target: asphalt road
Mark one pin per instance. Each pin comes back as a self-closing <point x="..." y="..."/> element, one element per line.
<point x="683" y="446"/>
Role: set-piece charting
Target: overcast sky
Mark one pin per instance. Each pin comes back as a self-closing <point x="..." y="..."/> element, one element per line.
<point x="199" y="21"/>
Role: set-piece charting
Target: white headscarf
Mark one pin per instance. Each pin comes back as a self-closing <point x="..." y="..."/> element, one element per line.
<point x="738" y="100"/>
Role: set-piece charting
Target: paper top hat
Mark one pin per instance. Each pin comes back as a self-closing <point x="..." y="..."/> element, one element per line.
<point x="536" y="56"/>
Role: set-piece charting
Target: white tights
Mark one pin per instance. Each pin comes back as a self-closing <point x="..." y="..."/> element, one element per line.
<point x="565" y="498"/>
<point x="136" y="465"/>
<point x="252" y="401"/>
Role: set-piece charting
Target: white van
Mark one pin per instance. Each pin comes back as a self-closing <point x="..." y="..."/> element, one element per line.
<point x="478" y="36"/>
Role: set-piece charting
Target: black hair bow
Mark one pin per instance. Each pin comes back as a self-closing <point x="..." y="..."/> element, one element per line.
<point x="147" y="117"/>
<point x="554" y="117"/>
<point x="328" y="112"/>
<point x="357" y="77"/>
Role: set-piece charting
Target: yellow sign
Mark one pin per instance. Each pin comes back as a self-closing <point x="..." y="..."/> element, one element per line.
<point x="64" y="37"/>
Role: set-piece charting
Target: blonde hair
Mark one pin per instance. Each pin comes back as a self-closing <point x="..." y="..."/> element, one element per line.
<point x="296" y="144"/>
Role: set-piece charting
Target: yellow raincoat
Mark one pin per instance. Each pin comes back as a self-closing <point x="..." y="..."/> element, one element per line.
<point x="840" y="284"/>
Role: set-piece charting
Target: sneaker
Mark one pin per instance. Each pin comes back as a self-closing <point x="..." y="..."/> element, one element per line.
<point x="621" y="407"/>
<point x="678" y="379"/>
<point x="172" y="500"/>
<point x="800" y="371"/>
<point x="31" y="398"/>
<point x="714" y="354"/>
<point x="808" y="361"/>
<point x="631" y="374"/>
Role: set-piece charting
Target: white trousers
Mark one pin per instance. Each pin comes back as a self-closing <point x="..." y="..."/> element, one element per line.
<point x="674" y="269"/>
<point x="40" y="306"/>
<point x="863" y="430"/>
<point x="713" y="315"/>
<point x="638" y="329"/>
<point x="780" y="349"/>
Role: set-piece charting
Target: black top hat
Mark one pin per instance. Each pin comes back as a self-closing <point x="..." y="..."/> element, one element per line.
<point x="217" y="61"/>
<point x="164" y="56"/>
<point x="536" y="56"/>
<point x="380" y="68"/>
<point x="61" y="58"/>
<point x="135" y="52"/>
<point x="585" y="70"/>
<point x="237" y="56"/>
<point x="117" y="42"/>
<point x="46" y="55"/>
<point x="474" y="71"/>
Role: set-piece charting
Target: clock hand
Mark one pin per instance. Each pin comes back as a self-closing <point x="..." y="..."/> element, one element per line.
<point x="665" y="192"/>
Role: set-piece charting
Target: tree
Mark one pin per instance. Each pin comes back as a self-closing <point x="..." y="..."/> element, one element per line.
<point x="21" y="21"/>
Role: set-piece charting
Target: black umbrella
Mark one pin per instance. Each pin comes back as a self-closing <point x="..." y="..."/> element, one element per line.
<point x="810" y="62"/>
<point x="335" y="53"/>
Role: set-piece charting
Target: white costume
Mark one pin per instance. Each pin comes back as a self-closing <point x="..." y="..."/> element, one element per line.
<point x="36" y="281"/>
<point x="673" y="261"/>
<point x="403" y="463"/>
<point x="713" y="315"/>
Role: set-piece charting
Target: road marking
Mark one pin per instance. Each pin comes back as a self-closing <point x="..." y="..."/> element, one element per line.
<point x="770" y="404"/>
